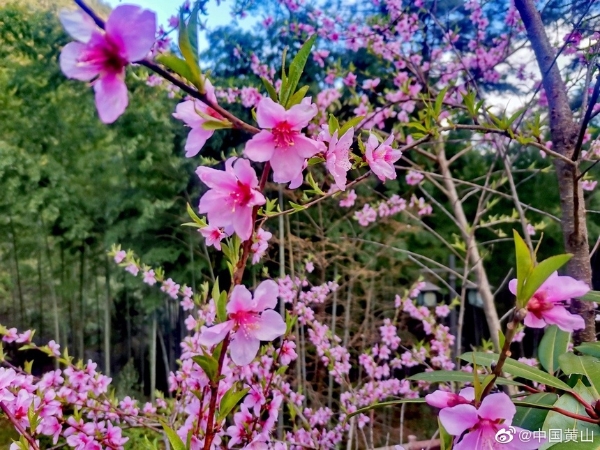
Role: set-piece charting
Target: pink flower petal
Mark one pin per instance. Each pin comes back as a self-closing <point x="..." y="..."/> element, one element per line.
<point x="70" y="65"/>
<point x="300" y="115"/>
<point x="269" y="326"/>
<point x="497" y="406"/>
<point x="111" y="97"/>
<point x="512" y="286"/>
<point x="532" y="321"/>
<point x="240" y="301"/>
<point x="269" y="113"/>
<point x="286" y="165"/>
<point x="186" y="111"/>
<point x="265" y="295"/>
<point x="467" y="393"/>
<point x="213" y="335"/>
<point x="78" y="24"/>
<point x="304" y="146"/>
<point x="242" y="222"/>
<point x="261" y="147"/>
<point x="457" y="419"/>
<point x="562" y="318"/>
<point x="245" y="173"/>
<point x="563" y="288"/>
<point x="243" y="348"/>
<point x="196" y="139"/>
<point x="216" y="179"/>
<point x="471" y="441"/>
<point x="133" y="30"/>
<point x="440" y="399"/>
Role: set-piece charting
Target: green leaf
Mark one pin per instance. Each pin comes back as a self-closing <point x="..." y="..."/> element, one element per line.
<point x="517" y="369"/>
<point x="582" y="365"/>
<point x="589" y="348"/>
<point x="215" y="124"/>
<point x="554" y="343"/>
<point x="592" y="296"/>
<point x="295" y="72"/>
<point x="439" y="101"/>
<point x="446" y="439"/>
<point x="195" y="217"/>
<point x="555" y="420"/>
<point x="384" y="404"/>
<point x="174" y="438"/>
<point x="445" y="376"/>
<point x="188" y="49"/>
<point x="533" y="418"/>
<point x="524" y="266"/>
<point x="589" y="441"/>
<point x="333" y="124"/>
<point x="177" y="65"/>
<point x="541" y="272"/>
<point x="270" y="89"/>
<point x="350" y="124"/>
<point x="222" y="307"/>
<point x="209" y="364"/>
<point x="229" y="400"/>
<point x="298" y="96"/>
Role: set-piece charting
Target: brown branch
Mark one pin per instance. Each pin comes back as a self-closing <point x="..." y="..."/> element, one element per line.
<point x="214" y="392"/>
<point x="586" y="119"/>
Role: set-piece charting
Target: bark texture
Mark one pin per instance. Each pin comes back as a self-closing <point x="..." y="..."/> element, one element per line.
<point x="564" y="132"/>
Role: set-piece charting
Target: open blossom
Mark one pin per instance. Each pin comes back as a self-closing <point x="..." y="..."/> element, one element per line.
<point x="281" y="142"/>
<point x="231" y="197"/>
<point x="413" y="177"/>
<point x="445" y="399"/>
<point x="103" y="55"/>
<point x="349" y="200"/>
<point x="213" y="235"/>
<point x="495" y="413"/>
<point x="338" y="161"/>
<point x="588" y="185"/>
<point x="381" y="157"/>
<point x="547" y="306"/>
<point x="195" y="114"/>
<point x="260" y="244"/>
<point x="251" y="320"/>
<point x="120" y="256"/>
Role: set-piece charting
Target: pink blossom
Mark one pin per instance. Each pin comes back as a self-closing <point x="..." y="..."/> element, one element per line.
<point x="588" y="185"/>
<point x="195" y="114"/>
<point x="281" y="142"/>
<point x="133" y="269"/>
<point x="54" y="348"/>
<point x="232" y="196"/>
<point x="371" y="84"/>
<point x="495" y="413"/>
<point x="213" y="235"/>
<point x="260" y="244"/>
<point x="445" y="399"/>
<point x="149" y="277"/>
<point x="120" y="256"/>
<point x="103" y="55"/>
<point x="413" y="177"/>
<point x="530" y="230"/>
<point x="350" y="80"/>
<point x="309" y="267"/>
<point x="338" y="160"/>
<point x="349" y="200"/>
<point x="251" y="320"/>
<point x="381" y="157"/>
<point x="547" y="306"/>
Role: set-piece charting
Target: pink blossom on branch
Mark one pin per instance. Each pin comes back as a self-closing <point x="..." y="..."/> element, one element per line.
<point x="381" y="157"/>
<point x="547" y="306"/>
<point x="281" y="141"/>
<point x="195" y="114"/>
<point x="251" y="320"/>
<point x="338" y="161"/>
<point x="103" y="55"/>
<point x="495" y="413"/>
<point x="232" y="195"/>
<point x="445" y="399"/>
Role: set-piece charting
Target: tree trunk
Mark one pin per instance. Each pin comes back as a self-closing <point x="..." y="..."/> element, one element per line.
<point x="52" y="295"/>
<point x="564" y="132"/>
<point x="18" y="273"/>
<point x="153" y="333"/>
<point x="82" y="317"/>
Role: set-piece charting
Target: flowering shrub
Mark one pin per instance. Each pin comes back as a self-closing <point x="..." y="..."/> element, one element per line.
<point x="231" y="388"/>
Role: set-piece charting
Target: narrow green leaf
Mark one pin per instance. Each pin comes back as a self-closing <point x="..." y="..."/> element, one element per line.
<point x="533" y="418"/>
<point x="439" y="101"/>
<point x="590" y="349"/>
<point x="517" y="369"/>
<point x="209" y="364"/>
<point x="554" y="343"/>
<point x="229" y="400"/>
<point x="524" y="266"/>
<point x="177" y="65"/>
<point x="592" y="296"/>
<point x="350" y="124"/>
<point x="270" y="89"/>
<point x="333" y="124"/>
<point x="384" y="404"/>
<point x="222" y="307"/>
<point x="296" y="69"/>
<point x="298" y="96"/>
<point x="195" y="217"/>
<point x="446" y="439"/>
<point x="446" y="376"/>
<point x="190" y="54"/>
<point x="173" y="437"/>
<point x="216" y="124"/>
<point x="582" y="365"/>
<point x="541" y="272"/>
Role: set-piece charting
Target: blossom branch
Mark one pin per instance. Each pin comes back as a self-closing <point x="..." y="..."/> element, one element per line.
<point x="214" y="392"/>
<point x="19" y="427"/>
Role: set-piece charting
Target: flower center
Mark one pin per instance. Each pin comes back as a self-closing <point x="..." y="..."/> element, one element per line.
<point x="242" y="195"/>
<point x="284" y="134"/>
<point x="538" y="304"/>
<point x="245" y="321"/>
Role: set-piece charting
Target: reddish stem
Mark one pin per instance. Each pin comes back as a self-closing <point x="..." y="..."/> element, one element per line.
<point x="214" y="392"/>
